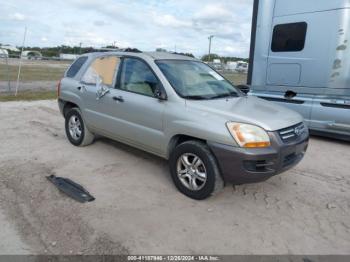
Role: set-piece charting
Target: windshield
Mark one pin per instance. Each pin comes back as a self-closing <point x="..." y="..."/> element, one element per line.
<point x="196" y="80"/>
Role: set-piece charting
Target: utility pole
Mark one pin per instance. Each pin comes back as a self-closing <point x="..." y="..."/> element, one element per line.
<point x="210" y="37"/>
<point x="80" y="48"/>
<point x="20" y="59"/>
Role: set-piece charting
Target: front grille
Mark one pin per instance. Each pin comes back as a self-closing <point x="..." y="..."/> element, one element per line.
<point x="291" y="133"/>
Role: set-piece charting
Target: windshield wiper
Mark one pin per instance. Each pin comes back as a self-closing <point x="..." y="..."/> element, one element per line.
<point x="196" y="97"/>
<point x="199" y="97"/>
<point x="231" y="94"/>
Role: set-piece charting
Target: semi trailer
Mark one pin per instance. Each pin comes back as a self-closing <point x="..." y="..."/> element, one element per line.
<point x="300" y="58"/>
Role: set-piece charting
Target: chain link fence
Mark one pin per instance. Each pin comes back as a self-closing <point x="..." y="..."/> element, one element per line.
<point x="35" y="75"/>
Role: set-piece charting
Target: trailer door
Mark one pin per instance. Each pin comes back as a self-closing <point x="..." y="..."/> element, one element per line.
<point x="285" y="63"/>
<point x="297" y="54"/>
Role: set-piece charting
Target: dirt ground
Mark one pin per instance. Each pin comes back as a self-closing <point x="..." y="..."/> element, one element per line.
<point x="138" y="210"/>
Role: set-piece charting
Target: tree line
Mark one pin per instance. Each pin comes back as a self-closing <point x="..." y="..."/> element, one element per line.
<point x="223" y="59"/>
<point x="65" y="49"/>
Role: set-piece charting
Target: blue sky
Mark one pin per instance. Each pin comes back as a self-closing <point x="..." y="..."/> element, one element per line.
<point x="146" y="25"/>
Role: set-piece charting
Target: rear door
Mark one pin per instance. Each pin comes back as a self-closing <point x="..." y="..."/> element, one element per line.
<point x="96" y="111"/>
<point x="129" y="112"/>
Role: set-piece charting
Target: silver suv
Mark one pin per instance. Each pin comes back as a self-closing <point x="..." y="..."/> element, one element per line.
<point x="180" y="109"/>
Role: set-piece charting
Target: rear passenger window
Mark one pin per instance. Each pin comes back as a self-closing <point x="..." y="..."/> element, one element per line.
<point x="75" y="67"/>
<point x="289" y="37"/>
<point x="104" y="68"/>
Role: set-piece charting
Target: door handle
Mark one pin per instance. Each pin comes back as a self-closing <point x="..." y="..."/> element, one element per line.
<point x="118" y="98"/>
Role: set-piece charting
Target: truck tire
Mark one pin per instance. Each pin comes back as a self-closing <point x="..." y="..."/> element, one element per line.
<point x="76" y="131"/>
<point x="194" y="170"/>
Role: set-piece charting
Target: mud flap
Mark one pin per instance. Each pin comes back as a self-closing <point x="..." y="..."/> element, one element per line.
<point x="71" y="189"/>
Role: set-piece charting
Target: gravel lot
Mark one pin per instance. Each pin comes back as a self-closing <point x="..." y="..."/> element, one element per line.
<point x="138" y="210"/>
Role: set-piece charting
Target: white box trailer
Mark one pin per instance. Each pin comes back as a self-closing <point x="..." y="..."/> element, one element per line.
<point x="300" y="58"/>
<point x="4" y="53"/>
<point x="242" y="67"/>
<point x="68" y="56"/>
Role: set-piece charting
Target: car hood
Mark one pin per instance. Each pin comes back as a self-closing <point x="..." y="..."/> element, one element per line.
<point x="248" y="109"/>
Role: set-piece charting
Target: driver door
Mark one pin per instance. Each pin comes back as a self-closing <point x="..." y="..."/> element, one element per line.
<point x="136" y="112"/>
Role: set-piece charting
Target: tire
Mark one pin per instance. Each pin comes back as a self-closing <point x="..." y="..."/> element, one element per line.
<point x="80" y="136"/>
<point x="185" y="154"/>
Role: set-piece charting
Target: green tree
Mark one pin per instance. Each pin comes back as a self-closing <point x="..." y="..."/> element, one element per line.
<point x="186" y="54"/>
<point x="161" y="50"/>
<point x="205" y="58"/>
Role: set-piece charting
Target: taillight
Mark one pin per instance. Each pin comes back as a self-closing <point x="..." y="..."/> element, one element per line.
<point x="59" y="88"/>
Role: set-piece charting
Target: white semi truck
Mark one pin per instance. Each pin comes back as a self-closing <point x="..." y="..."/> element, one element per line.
<point x="300" y="58"/>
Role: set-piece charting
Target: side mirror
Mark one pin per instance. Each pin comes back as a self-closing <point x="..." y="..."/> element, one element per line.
<point x="160" y="94"/>
<point x="244" y="88"/>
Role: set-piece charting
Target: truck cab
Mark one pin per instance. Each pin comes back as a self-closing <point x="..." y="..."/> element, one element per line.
<point x="299" y="58"/>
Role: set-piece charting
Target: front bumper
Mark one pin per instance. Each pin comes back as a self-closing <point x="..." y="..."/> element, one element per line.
<point x="250" y="165"/>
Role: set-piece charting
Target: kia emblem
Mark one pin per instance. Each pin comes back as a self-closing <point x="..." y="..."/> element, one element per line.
<point x="297" y="131"/>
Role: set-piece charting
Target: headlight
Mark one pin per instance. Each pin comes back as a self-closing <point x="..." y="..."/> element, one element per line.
<point x="248" y="135"/>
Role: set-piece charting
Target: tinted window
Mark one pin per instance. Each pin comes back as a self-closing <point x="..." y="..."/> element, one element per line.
<point x="137" y="77"/>
<point x="75" y="67"/>
<point x="289" y="37"/>
<point x="103" y="68"/>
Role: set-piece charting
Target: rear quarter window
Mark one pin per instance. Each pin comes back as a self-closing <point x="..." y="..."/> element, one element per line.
<point x="75" y="67"/>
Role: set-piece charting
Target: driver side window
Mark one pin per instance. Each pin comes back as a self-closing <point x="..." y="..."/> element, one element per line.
<point x="104" y="68"/>
<point x="137" y="77"/>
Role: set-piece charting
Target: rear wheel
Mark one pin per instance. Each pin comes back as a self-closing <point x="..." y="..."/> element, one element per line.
<point x="194" y="170"/>
<point x="76" y="130"/>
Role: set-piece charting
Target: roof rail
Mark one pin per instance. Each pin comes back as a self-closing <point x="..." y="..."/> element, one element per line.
<point x="134" y="50"/>
<point x="128" y="49"/>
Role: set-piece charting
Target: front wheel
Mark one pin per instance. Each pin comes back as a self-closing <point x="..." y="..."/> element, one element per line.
<point x="76" y="130"/>
<point x="194" y="170"/>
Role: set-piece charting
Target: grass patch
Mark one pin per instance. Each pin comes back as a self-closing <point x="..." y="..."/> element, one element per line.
<point x="31" y="72"/>
<point x="236" y="78"/>
<point x="28" y="96"/>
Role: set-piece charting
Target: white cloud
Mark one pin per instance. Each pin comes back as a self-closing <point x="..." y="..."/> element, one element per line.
<point x="170" y="20"/>
<point x="17" y="17"/>
<point x="213" y="12"/>
<point x="74" y="36"/>
<point x="145" y="25"/>
<point x="217" y="19"/>
<point x="99" y="23"/>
